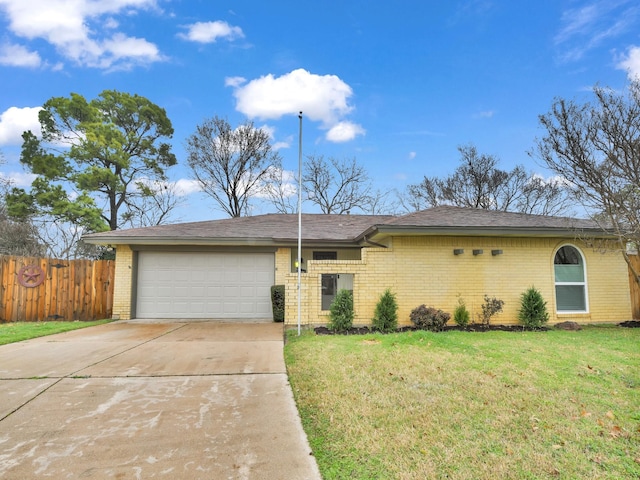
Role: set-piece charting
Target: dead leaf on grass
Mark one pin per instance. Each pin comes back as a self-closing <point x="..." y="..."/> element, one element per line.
<point x="610" y="415"/>
<point x="616" y="431"/>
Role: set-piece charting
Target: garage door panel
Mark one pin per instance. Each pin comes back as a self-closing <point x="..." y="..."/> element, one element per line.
<point x="204" y="285"/>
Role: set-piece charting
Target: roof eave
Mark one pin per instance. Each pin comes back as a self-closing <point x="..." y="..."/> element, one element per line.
<point x="208" y="241"/>
<point x="381" y="232"/>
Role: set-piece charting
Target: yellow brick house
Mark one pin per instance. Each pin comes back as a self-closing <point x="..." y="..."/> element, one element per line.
<point x="224" y="269"/>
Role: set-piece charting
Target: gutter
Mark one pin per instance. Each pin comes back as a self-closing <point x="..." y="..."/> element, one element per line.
<point x="383" y="231"/>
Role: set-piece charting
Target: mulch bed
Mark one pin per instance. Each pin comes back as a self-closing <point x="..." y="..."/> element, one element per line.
<point x="474" y="327"/>
<point x="630" y="324"/>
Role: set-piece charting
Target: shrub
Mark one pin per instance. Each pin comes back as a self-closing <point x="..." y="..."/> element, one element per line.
<point x="429" y="318"/>
<point x="533" y="309"/>
<point x="385" y="317"/>
<point x="461" y="315"/>
<point x="277" y="302"/>
<point x="341" y="312"/>
<point x="491" y="306"/>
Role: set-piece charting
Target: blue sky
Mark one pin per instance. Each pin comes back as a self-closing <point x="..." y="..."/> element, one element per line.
<point x="397" y="85"/>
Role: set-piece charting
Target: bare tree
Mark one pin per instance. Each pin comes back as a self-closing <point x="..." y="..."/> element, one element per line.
<point x="156" y="204"/>
<point x="479" y="183"/>
<point x="231" y="165"/>
<point x="281" y="188"/>
<point x="16" y="237"/>
<point x="336" y="186"/>
<point x="595" y="146"/>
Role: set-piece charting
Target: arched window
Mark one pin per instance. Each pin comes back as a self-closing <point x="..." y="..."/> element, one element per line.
<point x="570" y="278"/>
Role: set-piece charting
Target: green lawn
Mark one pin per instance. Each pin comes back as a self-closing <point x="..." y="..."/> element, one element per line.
<point x="461" y="405"/>
<point x="18" y="331"/>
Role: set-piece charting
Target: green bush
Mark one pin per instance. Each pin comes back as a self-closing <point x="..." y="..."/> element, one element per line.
<point x="429" y="318"/>
<point x="491" y="306"/>
<point x="533" y="309"/>
<point x="341" y="312"/>
<point x="385" y="317"/>
<point x="277" y="302"/>
<point x="461" y="315"/>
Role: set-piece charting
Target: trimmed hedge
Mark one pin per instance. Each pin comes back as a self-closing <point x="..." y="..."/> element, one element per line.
<point x="277" y="302"/>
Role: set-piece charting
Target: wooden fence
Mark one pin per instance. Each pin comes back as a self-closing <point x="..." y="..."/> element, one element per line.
<point x="635" y="289"/>
<point x="40" y="289"/>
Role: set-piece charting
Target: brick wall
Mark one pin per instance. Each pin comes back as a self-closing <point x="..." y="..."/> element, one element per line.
<point x="123" y="283"/>
<point x="283" y="265"/>
<point x="425" y="270"/>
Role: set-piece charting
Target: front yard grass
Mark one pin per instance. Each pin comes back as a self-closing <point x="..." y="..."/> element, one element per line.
<point x="18" y="331"/>
<point x="461" y="405"/>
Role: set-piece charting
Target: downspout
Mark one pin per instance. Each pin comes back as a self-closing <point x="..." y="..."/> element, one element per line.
<point x="371" y="242"/>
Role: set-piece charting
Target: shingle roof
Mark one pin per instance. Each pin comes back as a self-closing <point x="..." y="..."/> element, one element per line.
<point x="270" y="228"/>
<point x="449" y="220"/>
<point x="274" y="229"/>
<point x="459" y="217"/>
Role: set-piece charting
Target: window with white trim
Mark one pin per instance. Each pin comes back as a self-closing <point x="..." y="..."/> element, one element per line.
<point x="570" y="280"/>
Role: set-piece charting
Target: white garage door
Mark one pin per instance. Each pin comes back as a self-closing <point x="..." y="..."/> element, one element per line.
<point x="204" y="285"/>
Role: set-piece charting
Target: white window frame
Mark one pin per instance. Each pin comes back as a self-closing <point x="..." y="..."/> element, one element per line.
<point x="584" y="284"/>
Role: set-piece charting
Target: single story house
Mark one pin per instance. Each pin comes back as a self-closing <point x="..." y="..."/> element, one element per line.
<point x="224" y="268"/>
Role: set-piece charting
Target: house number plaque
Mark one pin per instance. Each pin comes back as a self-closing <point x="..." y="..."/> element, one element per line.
<point x="30" y="276"/>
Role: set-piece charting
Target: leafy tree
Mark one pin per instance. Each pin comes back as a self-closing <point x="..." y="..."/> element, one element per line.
<point x="479" y="183"/>
<point x="231" y="165"/>
<point x="595" y="146"/>
<point x="385" y="318"/>
<point x="95" y="160"/>
<point x="336" y="186"/>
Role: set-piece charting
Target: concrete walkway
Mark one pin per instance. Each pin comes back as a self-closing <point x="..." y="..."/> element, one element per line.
<point x="140" y="400"/>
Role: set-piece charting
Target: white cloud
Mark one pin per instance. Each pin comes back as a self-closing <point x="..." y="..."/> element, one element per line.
<point x="631" y="62"/>
<point x="321" y="98"/>
<point x="18" y="56"/>
<point x="122" y="52"/>
<point x="269" y="130"/>
<point x="14" y="121"/>
<point x="412" y="155"/>
<point x="234" y="81"/>
<point x="485" y="114"/>
<point x="210" y="32"/>
<point x="282" y="144"/>
<point x="19" y="179"/>
<point x="344" y="132"/>
<point x="590" y="25"/>
<point x="185" y="186"/>
<point x="77" y="30"/>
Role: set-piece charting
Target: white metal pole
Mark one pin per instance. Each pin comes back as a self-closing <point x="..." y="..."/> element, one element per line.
<point x="300" y="224"/>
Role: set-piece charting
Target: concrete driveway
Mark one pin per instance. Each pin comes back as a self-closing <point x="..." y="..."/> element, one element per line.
<point x="203" y="400"/>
